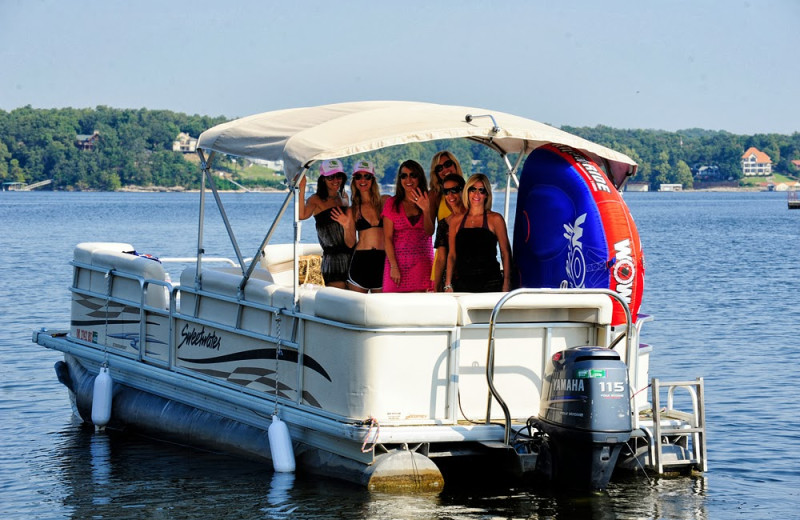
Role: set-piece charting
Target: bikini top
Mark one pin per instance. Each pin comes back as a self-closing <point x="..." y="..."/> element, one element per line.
<point x="362" y="223"/>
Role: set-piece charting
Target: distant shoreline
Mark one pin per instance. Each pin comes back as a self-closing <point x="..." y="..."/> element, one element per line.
<point x="181" y="189"/>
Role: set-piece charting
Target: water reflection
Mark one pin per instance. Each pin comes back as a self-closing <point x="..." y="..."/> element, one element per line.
<point x="279" y="496"/>
<point x="100" y="452"/>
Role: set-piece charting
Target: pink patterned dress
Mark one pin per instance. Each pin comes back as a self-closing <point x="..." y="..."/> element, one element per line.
<point x="413" y="248"/>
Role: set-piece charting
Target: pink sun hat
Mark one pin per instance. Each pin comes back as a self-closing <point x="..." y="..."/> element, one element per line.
<point x="331" y="167"/>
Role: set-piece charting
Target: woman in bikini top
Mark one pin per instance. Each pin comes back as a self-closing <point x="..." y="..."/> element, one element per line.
<point x="365" y="273"/>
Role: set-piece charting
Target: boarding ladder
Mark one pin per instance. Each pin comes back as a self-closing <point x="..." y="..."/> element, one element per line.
<point x="687" y="426"/>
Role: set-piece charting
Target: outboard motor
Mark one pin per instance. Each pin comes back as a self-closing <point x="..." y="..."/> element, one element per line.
<point x="585" y="414"/>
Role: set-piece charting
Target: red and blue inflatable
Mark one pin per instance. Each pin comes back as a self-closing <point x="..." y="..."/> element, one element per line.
<point x="573" y="229"/>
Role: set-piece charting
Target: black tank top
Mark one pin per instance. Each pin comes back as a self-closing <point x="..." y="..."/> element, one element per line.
<point x="330" y="233"/>
<point x="477" y="269"/>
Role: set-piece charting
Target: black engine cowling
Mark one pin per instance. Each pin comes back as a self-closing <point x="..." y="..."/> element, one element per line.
<point x="585" y="412"/>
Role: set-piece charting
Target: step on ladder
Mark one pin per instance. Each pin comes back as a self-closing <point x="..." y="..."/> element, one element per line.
<point x="679" y="427"/>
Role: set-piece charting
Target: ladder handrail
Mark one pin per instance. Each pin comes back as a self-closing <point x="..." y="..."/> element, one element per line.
<point x="493" y="393"/>
<point x="697" y="421"/>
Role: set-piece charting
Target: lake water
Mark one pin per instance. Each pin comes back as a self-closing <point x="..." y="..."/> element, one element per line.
<point x="723" y="277"/>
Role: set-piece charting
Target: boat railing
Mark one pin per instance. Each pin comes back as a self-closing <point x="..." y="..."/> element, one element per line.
<point x="182" y="307"/>
<point x="490" y="353"/>
<point x="159" y="304"/>
<point x="193" y="259"/>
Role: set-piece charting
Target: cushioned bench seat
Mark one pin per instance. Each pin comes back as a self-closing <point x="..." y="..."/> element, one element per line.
<point x="111" y="256"/>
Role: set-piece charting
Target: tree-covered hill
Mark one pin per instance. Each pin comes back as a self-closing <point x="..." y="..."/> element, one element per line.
<point x="134" y="148"/>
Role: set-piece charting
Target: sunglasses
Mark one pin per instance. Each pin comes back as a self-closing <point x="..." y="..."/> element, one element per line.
<point x="451" y="191"/>
<point x="413" y="175"/>
<point x="473" y="189"/>
<point x="365" y="176"/>
<point x="447" y="164"/>
<point x="335" y="176"/>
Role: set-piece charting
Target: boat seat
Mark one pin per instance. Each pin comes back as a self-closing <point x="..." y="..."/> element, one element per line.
<point x="110" y="255"/>
<point x="542" y="308"/>
<point x="387" y="309"/>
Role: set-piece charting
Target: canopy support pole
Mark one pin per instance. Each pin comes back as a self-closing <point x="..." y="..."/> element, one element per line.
<point x="225" y="219"/>
<point x="205" y="165"/>
<point x="260" y="252"/>
<point x="298" y="231"/>
<point x="512" y="174"/>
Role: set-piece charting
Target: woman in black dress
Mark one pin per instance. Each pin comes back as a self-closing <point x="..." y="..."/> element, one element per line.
<point x="329" y="207"/>
<point x="474" y="237"/>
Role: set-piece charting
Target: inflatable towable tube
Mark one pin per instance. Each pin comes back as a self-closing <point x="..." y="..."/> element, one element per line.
<point x="573" y="229"/>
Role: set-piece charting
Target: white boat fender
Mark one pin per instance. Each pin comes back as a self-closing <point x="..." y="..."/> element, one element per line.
<point x="101" y="398"/>
<point x="280" y="446"/>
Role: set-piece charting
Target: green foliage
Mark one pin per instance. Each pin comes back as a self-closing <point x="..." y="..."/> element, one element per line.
<point x="135" y="148"/>
<point x="665" y="156"/>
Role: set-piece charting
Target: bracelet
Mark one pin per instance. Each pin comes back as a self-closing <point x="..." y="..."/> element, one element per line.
<point x="448" y="286"/>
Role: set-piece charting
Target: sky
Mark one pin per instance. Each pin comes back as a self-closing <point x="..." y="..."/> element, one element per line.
<point x="655" y="64"/>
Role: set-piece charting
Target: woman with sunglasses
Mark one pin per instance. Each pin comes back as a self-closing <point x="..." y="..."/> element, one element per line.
<point x="366" y="265"/>
<point x="407" y="229"/>
<point x="452" y="187"/>
<point x="444" y="163"/>
<point x="474" y="236"/>
<point x="329" y="209"/>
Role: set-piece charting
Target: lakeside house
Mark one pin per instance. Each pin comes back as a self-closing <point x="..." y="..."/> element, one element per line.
<point x="184" y="143"/>
<point x="637" y="186"/>
<point x="272" y="165"/>
<point x="87" y="141"/>
<point x="756" y="163"/>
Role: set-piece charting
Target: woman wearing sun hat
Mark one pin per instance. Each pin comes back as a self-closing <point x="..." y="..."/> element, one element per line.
<point x="366" y="265"/>
<point x="328" y="206"/>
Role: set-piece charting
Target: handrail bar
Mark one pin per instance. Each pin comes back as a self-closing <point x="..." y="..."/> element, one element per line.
<point x="490" y="348"/>
<point x="189" y="259"/>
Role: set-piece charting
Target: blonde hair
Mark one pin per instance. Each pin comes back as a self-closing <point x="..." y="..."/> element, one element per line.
<point x="374" y="196"/>
<point x="473" y="180"/>
<point x="435" y="182"/>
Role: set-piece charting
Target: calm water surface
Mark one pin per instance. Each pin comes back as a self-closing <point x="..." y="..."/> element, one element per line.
<point x="723" y="276"/>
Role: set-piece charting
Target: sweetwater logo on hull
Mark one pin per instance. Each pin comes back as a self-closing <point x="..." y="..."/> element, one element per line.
<point x="598" y="179"/>
<point x="624" y="270"/>
<point x="202" y="338"/>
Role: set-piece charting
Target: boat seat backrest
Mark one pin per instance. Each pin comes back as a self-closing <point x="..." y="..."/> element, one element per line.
<point x="387" y="310"/>
<point x="83" y="254"/>
<point x="535" y="308"/>
<point x="278" y="259"/>
<point x="110" y="256"/>
<point x="225" y="284"/>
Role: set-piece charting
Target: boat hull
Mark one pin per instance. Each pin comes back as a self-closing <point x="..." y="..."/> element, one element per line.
<point x="167" y="419"/>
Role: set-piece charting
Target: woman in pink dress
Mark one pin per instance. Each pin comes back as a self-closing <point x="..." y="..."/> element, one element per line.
<point x="408" y="228"/>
